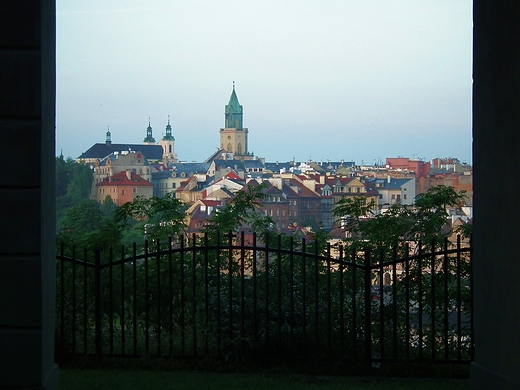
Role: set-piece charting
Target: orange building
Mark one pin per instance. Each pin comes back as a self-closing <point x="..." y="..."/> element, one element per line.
<point x="123" y="187"/>
<point x="418" y="167"/>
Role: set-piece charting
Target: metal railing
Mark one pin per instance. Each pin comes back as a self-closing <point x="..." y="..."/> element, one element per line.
<point x="288" y="299"/>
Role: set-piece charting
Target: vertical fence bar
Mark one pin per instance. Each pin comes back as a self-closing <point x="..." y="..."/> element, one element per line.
<point x="183" y="297"/>
<point x="279" y="298"/>
<point x="420" y="295"/>
<point x="62" y="301"/>
<point x="219" y="321"/>
<point x="304" y="298"/>
<point x="170" y="297"/>
<point x="123" y="324"/>
<point x="446" y="301"/>
<point x="146" y="301"/>
<point x="85" y="303"/>
<point x="291" y="294"/>
<point x="316" y="300"/>
<point x="230" y="285"/>
<point x="407" y="300"/>
<point x="194" y="294"/>
<point x="341" y="304"/>
<point x="255" y="297"/>
<point x="206" y="292"/>
<point x="472" y="336"/>
<point x="368" y="307"/>
<point x="111" y="301"/>
<point x="394" y="301"/>
<point x="381" y="304"/>
<point x="433" y="300"/>
<point x="329" y="302"/>
<point x="158" y="292"/>
<point x="266" y="271"/>
<point x="134" y="291"/>
<point x="73" y="300"/>
<point x="459" y="298"/>
<point x="354" y="304"/>
<point x="98" y="293"/>
<point x="242" y="284"/>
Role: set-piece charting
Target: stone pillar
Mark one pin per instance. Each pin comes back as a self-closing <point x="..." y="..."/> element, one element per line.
<point x="496" y="148"/>
<point x="27" y="223"/>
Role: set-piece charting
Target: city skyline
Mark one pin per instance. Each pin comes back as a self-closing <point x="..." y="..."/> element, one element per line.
<point x="359" y="82"/>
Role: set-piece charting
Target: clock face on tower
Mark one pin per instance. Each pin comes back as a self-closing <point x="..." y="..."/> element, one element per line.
<point x="228" y="137"/>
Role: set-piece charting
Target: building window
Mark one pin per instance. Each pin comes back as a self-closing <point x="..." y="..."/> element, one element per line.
<point x="393" y="196"/>
<point x="381" y="196"/>
<point x="404" y="196"/>
<point x="134" y="190"/>
<point x="122" y="192"/>
<point x="173" y="185"/>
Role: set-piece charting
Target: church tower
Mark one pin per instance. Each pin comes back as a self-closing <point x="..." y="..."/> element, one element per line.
<point x="168" y="144"/>
<point x="149" y="140"/>
<point x="233" y="137"/>
<point x="108" y="139"/>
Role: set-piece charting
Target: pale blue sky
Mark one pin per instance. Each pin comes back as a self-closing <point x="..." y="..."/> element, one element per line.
<point x="341" y="79"/>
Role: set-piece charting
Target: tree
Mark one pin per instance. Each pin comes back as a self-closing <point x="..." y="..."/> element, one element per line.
<point x="81" y="224"/>
<point x="241" y="211"/>
<point x="73" y="184"/>
<point x="157" y="218"/>
<point x="424" y="220"/>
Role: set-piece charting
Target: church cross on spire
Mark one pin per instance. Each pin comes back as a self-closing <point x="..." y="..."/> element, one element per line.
<point x="108" y="139"/>
<point x="149" y="137"/>
<point x="168" y="136"/>
<point x="233" y="112"/>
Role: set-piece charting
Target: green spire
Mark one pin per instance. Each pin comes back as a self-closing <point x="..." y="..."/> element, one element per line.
<point x="234" y="111"/>
<point x="149" y="137"/>
<point x="168" y="136"/>
<point x="108" y="139"/>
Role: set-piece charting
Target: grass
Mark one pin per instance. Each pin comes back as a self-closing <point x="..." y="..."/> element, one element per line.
<point x="98" y="379"/>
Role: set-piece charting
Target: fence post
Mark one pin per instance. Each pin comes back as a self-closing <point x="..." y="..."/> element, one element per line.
<point x="368" y="308"/>
<point x="97" y="308"/>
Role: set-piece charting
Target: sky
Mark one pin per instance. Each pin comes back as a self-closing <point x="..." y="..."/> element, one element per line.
<point x="358" y="80"/>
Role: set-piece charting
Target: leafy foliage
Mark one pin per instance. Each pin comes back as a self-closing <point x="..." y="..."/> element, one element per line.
<point x="73" y="184"/>
<point x="241" y="211"/>
<point x="422" y="221"/>
<point x="157" y="218"/>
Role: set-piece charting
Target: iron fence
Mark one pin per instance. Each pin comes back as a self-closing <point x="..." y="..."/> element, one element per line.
<point x="281" y="298"/>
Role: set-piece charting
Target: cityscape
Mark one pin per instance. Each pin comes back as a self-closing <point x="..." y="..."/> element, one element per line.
<point x="297" y="195"/>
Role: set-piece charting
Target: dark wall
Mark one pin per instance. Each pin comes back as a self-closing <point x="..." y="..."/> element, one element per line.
<point x="27" y="251"/>
<point x="496" y="148"/>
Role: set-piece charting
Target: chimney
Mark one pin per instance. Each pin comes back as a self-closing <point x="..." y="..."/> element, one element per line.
<point x="129" y="174"/>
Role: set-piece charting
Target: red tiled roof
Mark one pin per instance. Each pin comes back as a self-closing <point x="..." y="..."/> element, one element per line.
<point x="120" y="179"/>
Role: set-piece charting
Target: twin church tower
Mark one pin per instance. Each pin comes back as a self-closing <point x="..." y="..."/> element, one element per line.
<point x="233" y="137"/>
